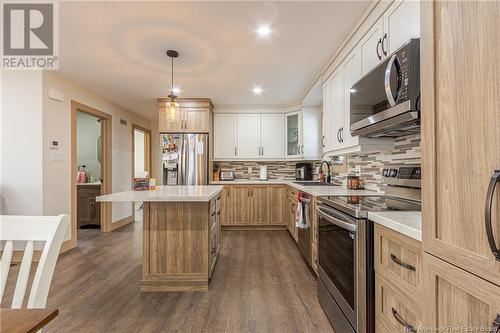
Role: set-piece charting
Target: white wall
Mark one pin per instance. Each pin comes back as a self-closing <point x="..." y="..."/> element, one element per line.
<point x="57" y="125"/>
<point x="21" y="143"/>
<point x="138" y="153"/>
<point x="88" y="130"/>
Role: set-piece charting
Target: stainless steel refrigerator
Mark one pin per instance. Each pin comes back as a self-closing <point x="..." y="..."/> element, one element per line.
<point x="184" y="159"/>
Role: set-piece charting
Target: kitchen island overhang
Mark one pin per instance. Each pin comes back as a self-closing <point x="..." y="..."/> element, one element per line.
<point x="181" y="235"/>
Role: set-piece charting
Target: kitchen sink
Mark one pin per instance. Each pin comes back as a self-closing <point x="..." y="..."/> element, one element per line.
<point x="312" y="183"/>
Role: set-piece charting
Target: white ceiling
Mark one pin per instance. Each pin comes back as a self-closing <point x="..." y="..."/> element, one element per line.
<point x="117" y="49"/>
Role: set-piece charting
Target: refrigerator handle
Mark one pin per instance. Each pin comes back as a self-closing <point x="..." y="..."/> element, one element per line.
<point x="180" y="168"/>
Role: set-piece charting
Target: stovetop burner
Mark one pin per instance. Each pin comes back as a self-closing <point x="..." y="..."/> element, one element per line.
<point x="359" y="206"/>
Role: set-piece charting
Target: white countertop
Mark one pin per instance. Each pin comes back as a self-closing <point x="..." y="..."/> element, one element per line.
<point x="165" y="194"/>
<point x="406" y="223"/>
<point x="318" y="191"/>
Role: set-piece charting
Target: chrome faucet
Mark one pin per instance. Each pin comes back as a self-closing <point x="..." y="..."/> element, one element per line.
<point x="328" y="178"/>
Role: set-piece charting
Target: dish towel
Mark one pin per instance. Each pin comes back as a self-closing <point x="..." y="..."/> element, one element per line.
<point x="299" y="219"/>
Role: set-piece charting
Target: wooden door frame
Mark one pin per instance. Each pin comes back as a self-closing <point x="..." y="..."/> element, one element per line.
<point x="147" y="149"/>
<point x="106" y="168"/>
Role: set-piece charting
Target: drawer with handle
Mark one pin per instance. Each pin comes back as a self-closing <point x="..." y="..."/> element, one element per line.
<point x="399" y="259"/>
<point x="394" y="310"/>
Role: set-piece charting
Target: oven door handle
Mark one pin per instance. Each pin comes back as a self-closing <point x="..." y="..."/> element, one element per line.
<point x="337" y="222"/>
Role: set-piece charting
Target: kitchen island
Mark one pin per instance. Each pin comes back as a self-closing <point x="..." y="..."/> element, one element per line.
<point x="181" y="235"/>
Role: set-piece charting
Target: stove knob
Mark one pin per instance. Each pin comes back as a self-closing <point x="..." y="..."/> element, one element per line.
<point x="393" y="173"/>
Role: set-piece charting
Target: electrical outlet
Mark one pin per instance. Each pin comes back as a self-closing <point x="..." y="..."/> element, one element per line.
<point x="249" y="169"/>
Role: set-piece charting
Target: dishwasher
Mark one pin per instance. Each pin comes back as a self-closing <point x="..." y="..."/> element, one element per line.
<point x="304" y="231"/>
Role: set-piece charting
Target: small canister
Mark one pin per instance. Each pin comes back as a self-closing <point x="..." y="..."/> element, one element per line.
<point x="353" y="182"/>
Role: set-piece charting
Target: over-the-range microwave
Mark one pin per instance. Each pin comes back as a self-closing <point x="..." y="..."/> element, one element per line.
<point x="386" y="101"/>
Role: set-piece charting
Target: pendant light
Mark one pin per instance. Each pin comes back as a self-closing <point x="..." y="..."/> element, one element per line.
<point x="172" y="106"/>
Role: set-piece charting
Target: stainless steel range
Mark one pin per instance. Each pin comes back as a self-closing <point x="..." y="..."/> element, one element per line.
<point x="346" y="275"/>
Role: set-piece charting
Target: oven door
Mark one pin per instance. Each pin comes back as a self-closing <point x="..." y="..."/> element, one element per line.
<point x="338" y="259"/>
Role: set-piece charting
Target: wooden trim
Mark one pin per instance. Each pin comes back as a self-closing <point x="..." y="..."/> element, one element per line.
<point x="147" y="148"/>
<point x="428" y="144"/>
<point x="254" y="227"/>
<point x="106" y="168"/>
<point x="123" y="222"/>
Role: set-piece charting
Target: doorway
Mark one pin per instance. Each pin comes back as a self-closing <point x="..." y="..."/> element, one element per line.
<point x="141" y="157"/>
<point x="90" y="170"/>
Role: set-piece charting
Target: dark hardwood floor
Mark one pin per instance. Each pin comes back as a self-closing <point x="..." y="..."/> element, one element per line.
<point x="260" y="284"/>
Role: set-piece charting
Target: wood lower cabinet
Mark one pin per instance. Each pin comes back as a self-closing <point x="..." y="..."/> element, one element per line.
<point x="457" y="299"/>
<point x="461" y="132"/>
<point x="252" y="205"/>
<point x="88" y="210"/>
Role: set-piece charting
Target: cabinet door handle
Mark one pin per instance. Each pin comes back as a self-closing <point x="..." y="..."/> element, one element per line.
<point x="495" y="327"/>
<point x="495" y="179"/>
<point x="382" y="44"/>
<point x="378" y="54"/>
<point x="262" y="151"/>
<point x="402" y="264"/>
<point x="338" y="133"/>
<point x="341" y="132"/>
<point x="323" y="141"/>
<point x="235" y="151"/>
<point x="403" y="322"/>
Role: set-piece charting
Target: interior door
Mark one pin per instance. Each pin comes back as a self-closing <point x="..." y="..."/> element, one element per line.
<point x="401" y="23"/>
<point x="352" y="72"/>
<point x="248" y="136"/>
<point x="461" y="132"/>
<point x="371" y="48"/>
<point x="273" y="138"/>
<point x="225" y="136"/>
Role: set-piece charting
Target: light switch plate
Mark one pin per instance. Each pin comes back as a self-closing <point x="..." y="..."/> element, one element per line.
<point x="57" y="156"/>
<point x="249" y="170"/>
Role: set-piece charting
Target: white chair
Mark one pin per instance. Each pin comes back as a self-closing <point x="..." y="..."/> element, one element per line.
<point x="15" y="231"/>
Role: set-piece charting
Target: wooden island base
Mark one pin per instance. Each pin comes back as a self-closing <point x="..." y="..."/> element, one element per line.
<point x="181" y="245"/>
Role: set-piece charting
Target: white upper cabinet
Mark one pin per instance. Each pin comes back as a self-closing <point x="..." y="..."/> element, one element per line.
<point x="327" y="139"/>
<point x="352" y="73"/>
<point x="401" y="23"/>
<point x="395" y="26"/>
<point x="337" y="107"/>
<point x="370" y="47"/>
<point x="248" y="134"/>
<point x="272" y="138"/>
<point x="303" y="136"/>
<point x="225" y="136"/>
<point x="293" y="135"/>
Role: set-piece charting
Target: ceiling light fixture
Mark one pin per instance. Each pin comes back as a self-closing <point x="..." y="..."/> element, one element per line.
<point x="257" y="90"/>
<point x="172" y="106"/>
<point x="264" y="31"/>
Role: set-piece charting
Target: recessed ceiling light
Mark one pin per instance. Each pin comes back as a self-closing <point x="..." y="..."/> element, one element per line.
<point x="176" y="90"/>
<point x="257" y="90"/>
<point x="264" y="31"/>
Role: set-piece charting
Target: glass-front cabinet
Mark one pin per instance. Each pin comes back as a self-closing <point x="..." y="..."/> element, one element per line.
<point x="293" y="135"/>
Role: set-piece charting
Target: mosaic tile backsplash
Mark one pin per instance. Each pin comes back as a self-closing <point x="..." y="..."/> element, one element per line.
<point x="406" y="151"/>
<point x="275" y="170"/>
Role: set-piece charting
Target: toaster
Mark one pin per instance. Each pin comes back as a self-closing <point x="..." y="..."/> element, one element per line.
<point x="226" y="175"/>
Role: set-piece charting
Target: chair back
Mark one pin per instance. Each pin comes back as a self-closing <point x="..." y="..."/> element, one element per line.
<point x="17" y="232"/>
